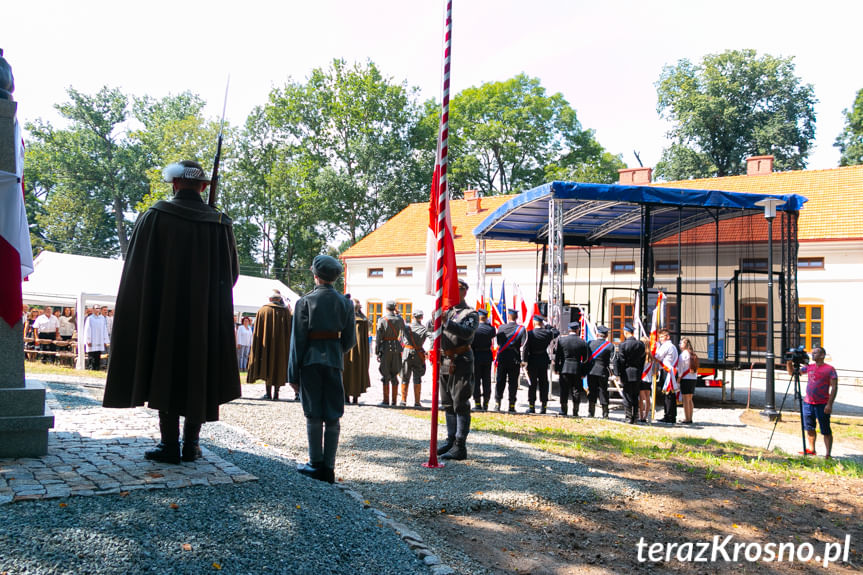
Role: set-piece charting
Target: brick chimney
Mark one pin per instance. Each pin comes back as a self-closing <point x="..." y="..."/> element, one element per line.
<point x="757" y="165"/>
<point x="635" y="176"/>
<point x="474" y="202"/>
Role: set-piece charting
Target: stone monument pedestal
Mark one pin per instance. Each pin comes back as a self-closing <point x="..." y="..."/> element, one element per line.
<point x="24" y="417"/>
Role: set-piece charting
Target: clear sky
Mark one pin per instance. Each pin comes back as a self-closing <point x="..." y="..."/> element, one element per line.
<point x="604" y="56"/>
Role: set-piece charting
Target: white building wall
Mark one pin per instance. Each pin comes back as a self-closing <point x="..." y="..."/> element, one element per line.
<point x="838" y="286"/>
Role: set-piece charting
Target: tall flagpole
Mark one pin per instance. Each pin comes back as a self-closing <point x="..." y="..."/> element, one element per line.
<point x="443" y="208"/>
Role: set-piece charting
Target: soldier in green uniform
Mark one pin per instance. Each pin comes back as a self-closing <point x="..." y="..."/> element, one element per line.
<point x="456" y="374"/>
<point x="388" y="349"/>
<point x="414" y="358"/>
<point x="323" y="331"/>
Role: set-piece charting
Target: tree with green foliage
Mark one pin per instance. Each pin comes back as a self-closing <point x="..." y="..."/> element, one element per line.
<point x="508" y="136"/>
<point x="91" y="159"/>
<point x="274" y="205"/>
<point x="172" y="129"/>
<point x="850" y="141"/>
<point x="355" y="129"/>
<point x="732" y="106"/>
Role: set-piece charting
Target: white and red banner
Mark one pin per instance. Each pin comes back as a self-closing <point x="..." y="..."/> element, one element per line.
<point x="526" y="309"/>
<point x="16" y="255"/>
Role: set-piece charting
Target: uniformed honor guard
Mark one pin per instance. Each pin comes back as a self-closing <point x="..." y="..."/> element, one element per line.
<point x="323" y="331"/>
<point x="597" y="378"/>
<point x="355" y="376"/>
<point x="510" y="338"/>
<point x="482" y="360"/>
<point x="414" y="358"/>
<point x="535" y="359"/>
<point x="173" y="344"/>
<point x="629" y="366"/>
<point x="456" y="374"/>
<point x="570" y="361"/>
<point x="388" y="349"/>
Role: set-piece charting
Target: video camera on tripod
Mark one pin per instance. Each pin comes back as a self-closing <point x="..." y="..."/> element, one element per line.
<point x="797" y="356"/>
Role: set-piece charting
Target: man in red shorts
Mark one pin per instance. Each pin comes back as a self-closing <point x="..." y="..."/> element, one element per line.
<point x="821" y="389"/>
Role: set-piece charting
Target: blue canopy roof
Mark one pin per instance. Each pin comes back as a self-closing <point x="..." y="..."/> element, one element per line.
<point x="610" y="214"/>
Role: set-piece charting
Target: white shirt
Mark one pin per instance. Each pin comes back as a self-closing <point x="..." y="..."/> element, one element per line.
<point x="67" y="327"/>
<point x="244" y="336"/>
<point x="96" y="333"/>
<point x="685" y="365"/>
<point x="45" y="323"/>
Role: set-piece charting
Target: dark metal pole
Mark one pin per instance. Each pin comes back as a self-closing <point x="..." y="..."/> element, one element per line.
<point x="769" y="393"/>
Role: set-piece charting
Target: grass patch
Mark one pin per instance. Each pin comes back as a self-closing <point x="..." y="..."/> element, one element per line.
<point x="37" y="367"/>
<point x="595" y="437"/>
<point x="846" y="429"/>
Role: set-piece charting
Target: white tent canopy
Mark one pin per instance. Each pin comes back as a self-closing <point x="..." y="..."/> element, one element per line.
<point x="61" y="279"/>
<point x="76" y="281"/>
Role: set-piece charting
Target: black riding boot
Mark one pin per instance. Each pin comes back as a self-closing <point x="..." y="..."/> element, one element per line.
<point x="591" y="409"/>
<point x="604" y="412"/>
<point x="451" y="424"/>
<point x="191" y="445"/>
<point x="168" y="450"/>
<point x="459" y="450"/>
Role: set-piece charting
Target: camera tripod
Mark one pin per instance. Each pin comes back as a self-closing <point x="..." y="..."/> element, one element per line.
<point x="795" y="379"/>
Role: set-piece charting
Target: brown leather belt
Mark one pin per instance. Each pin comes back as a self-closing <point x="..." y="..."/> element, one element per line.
<point x="390" y="338"/>
<point x="456" y="350"/>
<point x="324" y="335"/>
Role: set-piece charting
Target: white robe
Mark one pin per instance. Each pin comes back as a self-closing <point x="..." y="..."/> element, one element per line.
<point x="96" y="333"/>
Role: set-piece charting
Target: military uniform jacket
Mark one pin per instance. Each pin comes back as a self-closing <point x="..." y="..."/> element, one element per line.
<point x="482" y="340"/>
<point x="173" y="344"/>
<point x="323" y="311"/>
<point x="389" y="330"/>
<point x="571" y="355"/>
<point x="415" y="336"/>
<point x="459" y="326"/>
<point x="599" y="364"/>
<point x="512" y="354"/>
<point x="535" y="352"/>
<point x="631" y="356"/>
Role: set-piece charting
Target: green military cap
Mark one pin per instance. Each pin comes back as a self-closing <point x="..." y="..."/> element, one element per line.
<point x="327" y="268"/>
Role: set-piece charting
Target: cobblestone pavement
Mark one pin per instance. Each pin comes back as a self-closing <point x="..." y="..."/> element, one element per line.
<point x="96" y="451"/>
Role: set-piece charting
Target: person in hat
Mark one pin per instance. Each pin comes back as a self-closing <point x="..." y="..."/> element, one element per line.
<point x="459" y="324"/>
<point x="597" y="378"/>
<point x="414" y="357"/>
<point x="571" y="357"/>
<point x="271" y="346"/>
<point x="355" y="376"/>
<point x="482" y="360"/>
<point x="388" y="349"/>
<point x="535" y="358"/>
<point x="172" y="345"/>
<point x="629" y="367"/>
<point x="510" y="338"/>
<point x="323" y="331"/>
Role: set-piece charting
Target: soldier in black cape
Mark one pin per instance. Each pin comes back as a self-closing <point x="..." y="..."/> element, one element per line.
<point x="173" y="343"/>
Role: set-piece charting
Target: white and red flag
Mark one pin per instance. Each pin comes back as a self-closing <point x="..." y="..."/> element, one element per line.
<point x="526" y="309"/>
<point x="441" y="272"/>
<point x="16" y="256"/>
<point x="440" y="250"/>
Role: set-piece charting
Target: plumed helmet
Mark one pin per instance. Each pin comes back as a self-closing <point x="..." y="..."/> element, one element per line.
<point x="185" y="170"/>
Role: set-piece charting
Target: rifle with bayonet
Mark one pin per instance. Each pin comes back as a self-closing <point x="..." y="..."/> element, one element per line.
<point x="214" y="181"/>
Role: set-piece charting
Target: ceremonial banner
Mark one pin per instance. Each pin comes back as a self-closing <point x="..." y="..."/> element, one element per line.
<point x="443" y="282"/>
<point x="16" y="255"/>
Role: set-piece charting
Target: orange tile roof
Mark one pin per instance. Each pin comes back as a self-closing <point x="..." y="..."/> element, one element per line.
<point x="405" y="233"/>
<point x="832" y="194"/>
<point x="835" y="207"/>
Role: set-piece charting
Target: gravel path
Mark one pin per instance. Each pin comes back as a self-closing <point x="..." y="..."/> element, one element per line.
<point x="286" y="523"/>
<point x="381" y="454"/>
<point x="282" y="523"/>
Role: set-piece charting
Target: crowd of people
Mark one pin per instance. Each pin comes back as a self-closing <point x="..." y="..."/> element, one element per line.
<point x="51" y="333"/>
